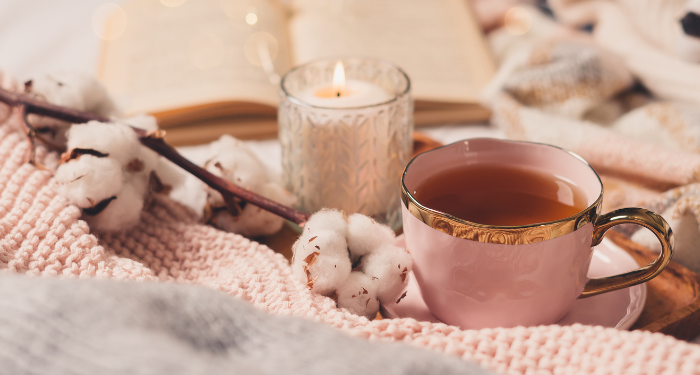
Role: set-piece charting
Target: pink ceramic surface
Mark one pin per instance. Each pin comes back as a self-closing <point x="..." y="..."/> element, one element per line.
<point x="474" y="284"/>
<point x="618" y="309"/>
<point x="477" y="285"/>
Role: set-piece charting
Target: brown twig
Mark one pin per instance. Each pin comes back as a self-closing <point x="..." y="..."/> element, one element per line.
<point x="155" y="142"/>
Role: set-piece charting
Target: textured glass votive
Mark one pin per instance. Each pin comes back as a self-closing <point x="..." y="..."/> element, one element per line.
<point x="346" y="158"/>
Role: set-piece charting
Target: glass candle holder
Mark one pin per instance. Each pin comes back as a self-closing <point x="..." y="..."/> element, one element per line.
<point x="342" y="156"/>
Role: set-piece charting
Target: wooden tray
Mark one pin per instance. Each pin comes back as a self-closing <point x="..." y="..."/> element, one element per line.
<point x="673" y="298"/>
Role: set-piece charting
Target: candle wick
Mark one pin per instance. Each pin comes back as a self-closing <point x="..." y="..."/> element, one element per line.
<point x="338" y="93"/>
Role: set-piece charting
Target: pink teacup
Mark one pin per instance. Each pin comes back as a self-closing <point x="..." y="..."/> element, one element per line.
<point x="477" y="276"/>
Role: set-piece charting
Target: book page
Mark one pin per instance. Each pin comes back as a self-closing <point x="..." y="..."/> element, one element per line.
<point x="437" y="42"/>
<point x="199" y="52"/>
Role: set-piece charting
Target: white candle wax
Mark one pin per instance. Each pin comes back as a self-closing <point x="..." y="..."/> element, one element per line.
<point x="353" y="94"/>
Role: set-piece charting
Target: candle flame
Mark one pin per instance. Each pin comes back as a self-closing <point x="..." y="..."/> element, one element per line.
<point x="339" y="78"/>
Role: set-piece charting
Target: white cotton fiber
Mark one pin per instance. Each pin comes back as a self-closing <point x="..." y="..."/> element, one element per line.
<point x="326" y="273"/>
<point x="74" y="90"/>
<point x="365" y="235"/>
<point x="327" y="219"/>
<point x="58" y="91"/>
<point x="383" y="269"/>
<point x="145" y="122"/>
<point x="142" y="121"/>
<point x="88" y="180"/>
<point x="111" y="163"/>
<point x="321" y="261"/>
<point x="358" y="294"/>
<point x="121" y="213"/>
<point x="389" y="265"/>
<point x="324" y="241"/>
<point x="169" y="173"/>
<point x="278" y="194"/>
<point x="232" y="160"/>
<point x="254" y="221"/>
<point x="117" y="140"/>
<point x="148" y="157"/>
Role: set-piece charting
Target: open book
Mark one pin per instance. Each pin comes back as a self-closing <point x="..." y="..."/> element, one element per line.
<point x="209" y="67"/>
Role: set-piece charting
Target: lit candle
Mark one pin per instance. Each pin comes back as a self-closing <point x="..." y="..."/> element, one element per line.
<point x="345" y="142"/>
<point x="344" y="93"/>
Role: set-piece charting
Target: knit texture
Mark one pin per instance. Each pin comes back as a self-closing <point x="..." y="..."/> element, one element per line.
<point x="157" y="328"/>
<point x="576" y="90"/>
<point x="41" y="235"/>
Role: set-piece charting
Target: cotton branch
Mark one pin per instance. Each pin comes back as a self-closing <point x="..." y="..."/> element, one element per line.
<point x="26" y="105"/>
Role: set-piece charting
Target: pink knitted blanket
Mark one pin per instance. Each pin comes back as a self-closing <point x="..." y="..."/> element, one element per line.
<point x="41" y="235"/>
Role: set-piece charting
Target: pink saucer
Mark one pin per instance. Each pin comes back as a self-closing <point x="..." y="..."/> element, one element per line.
<point x="618" y="309"/>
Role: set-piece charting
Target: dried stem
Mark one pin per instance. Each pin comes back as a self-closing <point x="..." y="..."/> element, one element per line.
<point x="155" y="142"/>
<point x="31" y="134"/>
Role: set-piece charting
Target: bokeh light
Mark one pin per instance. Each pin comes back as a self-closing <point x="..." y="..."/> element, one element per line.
<point x="251" y="19"/>
<point x="241" y="13"/>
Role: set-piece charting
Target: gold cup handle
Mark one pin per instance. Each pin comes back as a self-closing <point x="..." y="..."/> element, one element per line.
<point x="639" y="216"/>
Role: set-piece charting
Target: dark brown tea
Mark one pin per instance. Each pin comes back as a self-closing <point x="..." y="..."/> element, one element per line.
<point x="501" y="195"/>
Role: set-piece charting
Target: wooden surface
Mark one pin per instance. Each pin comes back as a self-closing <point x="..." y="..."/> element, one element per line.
<point x="673" y="298"/>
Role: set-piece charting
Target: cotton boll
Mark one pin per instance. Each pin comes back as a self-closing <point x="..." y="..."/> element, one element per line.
<point x="121" y="213"/>
<point x="107" y="173"/>
<point x="327" y="219"/>
<point x="365" y="235"/>
<point x="117" y="140"/>
<point x="389" y="266"/>
<point x="232" y="160"/>
<point x="321" y="261"/>
<point x="358" y="294"/>
<point x="74" y="90"/>
<point x="88" y="180"/>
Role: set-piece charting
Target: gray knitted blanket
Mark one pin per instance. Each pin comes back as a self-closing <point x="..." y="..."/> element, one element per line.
<point x="89" y="326"/>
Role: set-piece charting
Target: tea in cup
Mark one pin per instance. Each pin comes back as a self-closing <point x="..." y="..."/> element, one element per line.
<point x="502" y="232"/>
